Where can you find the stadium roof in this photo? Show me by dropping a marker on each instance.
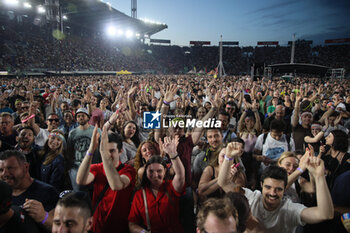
(96, 14)
(300, 68)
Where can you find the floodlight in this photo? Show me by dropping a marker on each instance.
(41, 10)
(65, 17)
(111, 31)
(27, 5)
(120, 32)
(11, 2)
(129, 34)
(137, 34)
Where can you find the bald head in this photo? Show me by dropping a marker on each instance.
(279, 112)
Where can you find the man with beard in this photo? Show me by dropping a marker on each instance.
(26, 145)
(276, 212)
(37, 198)
(209, 152)
(78, 144)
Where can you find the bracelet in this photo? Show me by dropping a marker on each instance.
(177, 155)
(30, 117)
(166, 103)
(109, 122)
(46, 217)
(228, 158)
(300, 170)
(89, 154)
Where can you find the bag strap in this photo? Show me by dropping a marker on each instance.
(104, 191)
(146, 210)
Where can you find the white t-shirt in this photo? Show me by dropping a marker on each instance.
(273, 148)
(42, 137)
(284, 219)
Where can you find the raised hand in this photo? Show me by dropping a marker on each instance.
(316, 167)
(94, 140)
(233, 149)
(170, 93)
(169, 146)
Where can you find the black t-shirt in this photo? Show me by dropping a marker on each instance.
(8, 142)
(39, 191)
(20, 222)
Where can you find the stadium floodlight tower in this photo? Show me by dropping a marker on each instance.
(220, 67)
(134, 9)
(293, 50)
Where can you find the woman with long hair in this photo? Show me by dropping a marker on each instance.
(131, 142)
(144, 152)
(155, 207)
(336, 158)
(52, 167)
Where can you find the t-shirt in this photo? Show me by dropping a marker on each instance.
(273, 148)
(20, 222)
(42, 137)
(40, 191)
(163, 210)
(299, 132)
(184, 150)
(79, 142)
(112, 212)
(129, 152)
(284, 219)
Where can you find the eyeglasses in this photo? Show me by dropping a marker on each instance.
(25, 108)
(51, 120)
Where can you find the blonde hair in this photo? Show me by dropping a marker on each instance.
(286, 154)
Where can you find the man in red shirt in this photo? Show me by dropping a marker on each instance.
(112, 211)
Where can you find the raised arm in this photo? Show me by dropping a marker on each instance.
(84, 176)
(169, 146)
(115, 181)
(168, 98)
(295, 119)
(324, 209)
(315, 139)
(241, 121)
(226, 173)
(131, 103)
(197, 132)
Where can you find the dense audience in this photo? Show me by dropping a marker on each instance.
(279, 154)
(77, 52)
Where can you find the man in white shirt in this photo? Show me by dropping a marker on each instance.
(270, 207)
(270, 146)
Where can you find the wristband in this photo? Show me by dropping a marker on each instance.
(89, 154)
(30, 117)
(173, 158)
(109, 122)
(46, 216)
(228, 158)
(300, 170)
(166, 103)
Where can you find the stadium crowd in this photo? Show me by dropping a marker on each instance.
(77, 52)
(77, 155)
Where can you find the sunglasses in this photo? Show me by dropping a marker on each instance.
(51, 120)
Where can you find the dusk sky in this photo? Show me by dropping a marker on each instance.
(246, 21)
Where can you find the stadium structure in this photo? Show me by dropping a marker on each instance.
(55, 37)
